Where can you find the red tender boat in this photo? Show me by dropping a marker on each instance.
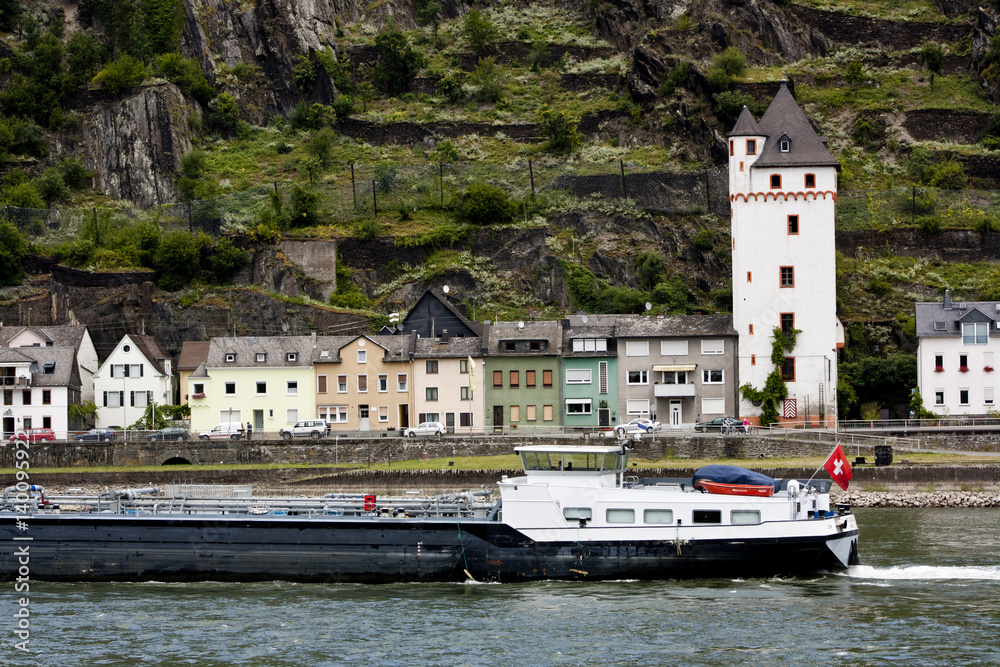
(735, 489)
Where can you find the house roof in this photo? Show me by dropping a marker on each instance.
(784, 117)
(63, 360)
(943, 319)
(15, 355)
(246, 348)
(434, 348)
(746, 126)
(61, 335)
(150, 348)
(641, 326)
(597, 326)
(549, 331)
(193, 353)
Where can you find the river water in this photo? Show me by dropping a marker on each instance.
(927, 593)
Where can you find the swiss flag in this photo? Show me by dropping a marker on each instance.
(838, 467)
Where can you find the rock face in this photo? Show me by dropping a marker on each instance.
(135, 144)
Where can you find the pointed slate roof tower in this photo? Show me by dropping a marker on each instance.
(782, 190)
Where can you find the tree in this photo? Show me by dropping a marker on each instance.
(559, 128)
(487, 80)
(398, 63)
(485, 204)
(932, 57)
(227, 259)
(225, 112)
(178, 257)
(124, 72)
(12, 251)
(726, 66)
(186, 74)
(479, 31)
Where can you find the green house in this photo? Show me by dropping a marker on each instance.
(589, 372)
(521, 376)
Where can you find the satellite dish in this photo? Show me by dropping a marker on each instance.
(649, 306)
(584, 318)
(520, 325)
(445, 289)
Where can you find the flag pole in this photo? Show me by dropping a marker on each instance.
(824, 462)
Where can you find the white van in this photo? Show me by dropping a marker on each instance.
(231, 430)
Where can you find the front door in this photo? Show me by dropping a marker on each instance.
(8, 427)
(675, 413)
(449, 421)
(497, 417)
(258, 420)
(404, 415)
(363, 418)
(603, 417)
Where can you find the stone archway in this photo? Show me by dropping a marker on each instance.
(176, 461)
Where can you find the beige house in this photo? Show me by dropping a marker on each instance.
(448, 386)
(193, 354)
(364, 383)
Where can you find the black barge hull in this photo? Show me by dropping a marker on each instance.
(163, 548)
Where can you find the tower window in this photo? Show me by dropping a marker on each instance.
(810, 180)
(751, 146)
(775, 180)
(787, 276)
(793, 224)
(787, 322)
(731, 148)
(788, 369)
(751, 329)
(749, 276)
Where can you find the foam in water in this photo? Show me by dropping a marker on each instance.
(924, 572)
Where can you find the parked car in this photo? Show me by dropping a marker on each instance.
(309, 428)
(639, 425)
(96, 435)
(717, 424)
(425, 428)
(169, 433)
(223, 431)
(34, 435)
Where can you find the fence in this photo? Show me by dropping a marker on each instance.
(931, 208)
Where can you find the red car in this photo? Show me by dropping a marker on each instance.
(34, 435)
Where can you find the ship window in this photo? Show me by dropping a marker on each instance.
(707, 516)
(744, 517)
(577, 513)
(658, 516)
(621, 516)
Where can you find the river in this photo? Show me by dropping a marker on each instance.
(926, 594)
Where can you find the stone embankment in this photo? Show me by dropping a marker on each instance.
(919, 498)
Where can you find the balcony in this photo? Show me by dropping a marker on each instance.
(673, 390)
(15, 381)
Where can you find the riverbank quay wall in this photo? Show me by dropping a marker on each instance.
(370, 450)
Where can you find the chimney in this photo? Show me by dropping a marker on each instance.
(444, 335)
(947, 299)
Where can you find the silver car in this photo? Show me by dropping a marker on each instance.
(425, 428)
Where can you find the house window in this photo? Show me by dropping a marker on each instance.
(547, 413)
(198, 388)
(753, 359)
(674, 377)
(261, 388)
(788, 369)
(784, 145)
(751, 329)
(383, 414)
(940, 326)
(775, 180)
(939, 397)
(749, 276)
(963, 361)
(432, 366)
(362, 356)
(46, 422)
(793, 224)
(939, 361)
(787, 276)
(711, 376)
(731, 148)
(531, 413)
(787, 323)
(546, 378)
(291, 415)
(230, 358)
(113, 399)
(963, 396)
(464, 394)
(590, 344)
(8, 397)
(637, 406)
(230, 389)
(673, 347)
(529, 378)
(810, 180)
(320, 384)
(363, 384)
(401, 382)
(463, 365)
(48, 368)
(261, 357)
(712, 346)
(509, 346)
(515, 413)
(577, 406)
(515, 378)
(988, 395)
(638, 377)
(974, 333)
(637, 348)
(335, 414)
(383, 383)
(431, 393)
(140, 399)
(497, 378)
(26, 397)
(535, 345)
(602, 374)
(578, 375)
(341, 384)
(292, 387)
(465, 419)
(46, 397)
(751, 146)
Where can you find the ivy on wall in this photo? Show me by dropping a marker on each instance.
(774, 390)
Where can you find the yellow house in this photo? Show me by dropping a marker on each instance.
(363, 383)
(267, 381)
(193, 354)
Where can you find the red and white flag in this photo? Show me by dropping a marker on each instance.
(838, 467)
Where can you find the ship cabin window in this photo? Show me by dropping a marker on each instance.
(657, 516)
(578, 513)
(744, 517)
(707, 516)
(571, 461)
(615, 515)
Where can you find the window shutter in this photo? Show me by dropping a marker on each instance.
(105, 399)
(131, 398)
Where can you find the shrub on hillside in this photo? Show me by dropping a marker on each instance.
(726, 67)
(124, 72)
(227, 259)
(485, 204)
(559, 127)
(12, 251)
(479, 31)
(398, 63)
(186, 74)
(178, 258)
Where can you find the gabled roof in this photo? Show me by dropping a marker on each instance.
(15, 355)
(246, 348)
(61, 335)
(641, 326)
(193, 354)
(150, 348)
(746, 126)
(63, 365)
(434, 348)
(943, 319)
(785, 116)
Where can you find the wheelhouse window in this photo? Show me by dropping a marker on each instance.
(706, 516)
(616, 515)
(657, 516)
(744, 517)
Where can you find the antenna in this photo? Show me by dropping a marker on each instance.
(445, 289)
(649, 306)
(585, 318)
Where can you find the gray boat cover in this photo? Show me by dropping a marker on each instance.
(724, 474)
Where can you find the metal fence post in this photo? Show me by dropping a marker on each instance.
(190, 220)
(441, 180)
(621, 166)
(531, 175)
(354, 192)
(374, 199)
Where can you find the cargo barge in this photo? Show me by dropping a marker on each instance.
(575, 513)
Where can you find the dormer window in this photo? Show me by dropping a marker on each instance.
(48, 368)
(261, 357)
(509, 346)
(230, 357)
(291, 356)
(784, 144)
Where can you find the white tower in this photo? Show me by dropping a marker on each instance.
(782, 191)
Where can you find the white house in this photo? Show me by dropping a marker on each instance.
(955, 361)
(782, 190)
(39, 384)
(138, 372)
(63, 335)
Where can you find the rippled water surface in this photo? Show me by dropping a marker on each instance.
(927, 593)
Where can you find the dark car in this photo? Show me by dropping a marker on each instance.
(96, 435)
(717, 424)
(170, 433)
